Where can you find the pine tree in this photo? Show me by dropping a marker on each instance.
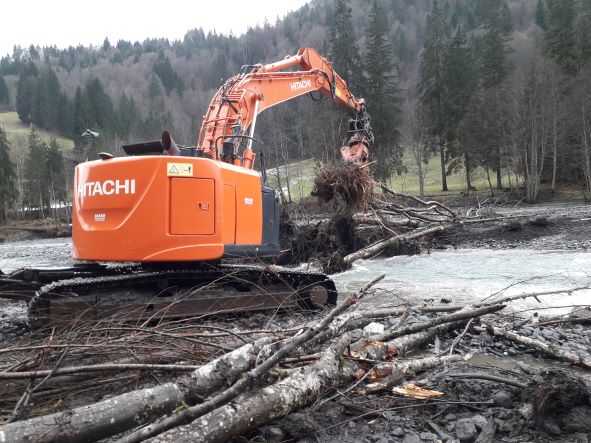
(158, 119)
(170, 79)
(541, 14)
(79, 125)
(106, 44)
(128, 117)
(495, 65)
(431, 86)
(584, 32)
(55, 173)
(25, 89)
(4, 95)
(382, 95)
(461, 81)
(560, 39)
(344, 52)
(98, 107)
(8, 191)
(36, 189)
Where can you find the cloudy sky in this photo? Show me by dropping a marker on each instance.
(72, 22)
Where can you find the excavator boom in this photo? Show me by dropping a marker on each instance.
(232, 114)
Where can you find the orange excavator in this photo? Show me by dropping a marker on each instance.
(154, 230)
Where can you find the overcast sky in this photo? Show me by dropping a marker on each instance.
(71, 22)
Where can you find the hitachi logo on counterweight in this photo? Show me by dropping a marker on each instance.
(108, 187)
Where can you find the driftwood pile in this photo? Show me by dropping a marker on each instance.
(234, 381)
(364, 226)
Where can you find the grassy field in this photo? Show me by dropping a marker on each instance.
(17, 131)
(409, 182)
(301, 176)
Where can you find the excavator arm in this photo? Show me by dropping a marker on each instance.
(232, 113)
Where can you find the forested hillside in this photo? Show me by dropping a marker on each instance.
(501, 85)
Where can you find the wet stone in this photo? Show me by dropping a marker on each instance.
(527, 411)
(548, 334)
(449, 417)
(466, 430)
(505, 415)
(502, 399)
(397, 431)
(427, 436)
(479, 421)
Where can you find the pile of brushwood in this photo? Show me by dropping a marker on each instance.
(362, 366)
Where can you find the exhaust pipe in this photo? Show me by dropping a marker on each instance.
(169, 145)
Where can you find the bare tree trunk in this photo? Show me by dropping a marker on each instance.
(421, 182)
(499, 171)
(378, 247)
(468, 172)
(582, 360)
(490, 186)
(285, 156)
(443, 172)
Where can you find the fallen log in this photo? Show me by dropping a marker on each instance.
(403, 345)
(126, 411)
(582, 360)
(370, 251)
(254, 410)
(467, 313)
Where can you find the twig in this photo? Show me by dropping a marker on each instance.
(26, 397)
(459, 337)
(106, 367)
(496, 379)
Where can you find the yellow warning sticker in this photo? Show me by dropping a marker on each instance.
(179, 169)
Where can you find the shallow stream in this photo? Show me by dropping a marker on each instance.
(465, 275)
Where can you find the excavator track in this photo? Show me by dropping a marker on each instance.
(67, 296)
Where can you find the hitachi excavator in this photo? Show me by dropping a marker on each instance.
(154, 232)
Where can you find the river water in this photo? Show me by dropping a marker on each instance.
(466, 275)
(462, 275)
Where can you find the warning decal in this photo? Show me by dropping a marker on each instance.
(179, 169)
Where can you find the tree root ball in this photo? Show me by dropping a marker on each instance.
(353, 184)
